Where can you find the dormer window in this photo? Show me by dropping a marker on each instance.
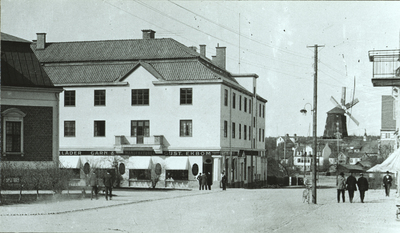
(13, 132)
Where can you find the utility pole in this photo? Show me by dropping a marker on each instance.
(314, 160)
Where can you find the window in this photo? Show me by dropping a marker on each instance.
(186, 128)
(226, 97)
(225, 129)
(233, 129)
(177, 174)
(263, 136)
(254, 122)
(99, 128)
(240, 103)
(233, 100)
(99, 97)
(69, 98)
(240, 131)
(263, 111)
(259, 134)
(260, 111)
(244, 132)
(69, 128)
(249, 132)
(140, 128)
(12, 138)
(140, 97)
(140, 174)
(245, 104)
(249, 105)
(186, 95)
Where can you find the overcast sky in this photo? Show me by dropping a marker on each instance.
(263, 37)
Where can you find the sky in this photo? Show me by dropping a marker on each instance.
(269, 38)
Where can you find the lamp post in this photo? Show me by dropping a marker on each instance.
(304, 111)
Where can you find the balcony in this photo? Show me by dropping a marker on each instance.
(123, 143)
(386, 67)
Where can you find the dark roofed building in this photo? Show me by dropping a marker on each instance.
(29, 106)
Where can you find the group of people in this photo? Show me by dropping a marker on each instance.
(107, 181)
(351, 183)
(205, 181)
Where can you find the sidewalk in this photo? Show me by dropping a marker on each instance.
(76, 204)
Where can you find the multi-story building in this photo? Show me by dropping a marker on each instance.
(155, 109)
(29, 107)
(388, 120)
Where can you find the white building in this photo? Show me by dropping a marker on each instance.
(155, 109)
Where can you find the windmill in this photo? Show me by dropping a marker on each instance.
(336, 119)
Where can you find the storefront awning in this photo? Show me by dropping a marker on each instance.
(70, 161)
(98, 161)
(139, 162)
(177, 163)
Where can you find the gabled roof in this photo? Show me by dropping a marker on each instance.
(19, 65)
(113, 50)
(336, 110)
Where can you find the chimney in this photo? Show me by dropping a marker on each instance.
(193, 48)
(148, 34)
(41, 41)
(220, 59)
(203, 50)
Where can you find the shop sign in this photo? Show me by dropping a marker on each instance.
(191, 153)
(87, 152)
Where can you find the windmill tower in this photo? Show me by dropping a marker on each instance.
(336, 118)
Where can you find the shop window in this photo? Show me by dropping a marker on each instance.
(140, 174)
(176, 175)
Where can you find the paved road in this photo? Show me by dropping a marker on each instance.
(234, 210)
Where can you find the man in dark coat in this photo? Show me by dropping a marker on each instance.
(351, 183)
(108, 185)
(199, 179)
(204, 181)
(209, 180)
(224, 180)
(387, 182)
(362, 184)
(93, 184)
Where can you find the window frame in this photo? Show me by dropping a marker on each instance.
(225, 129)
(146, 128)
(95, 128)
(145, 97)
(245, 104)
(233, 130)
(233, 100)
(186, 96)
(69, 99)
(13, 115)
(99, 97)
(225, 97)
(182, 131)
(69, 131)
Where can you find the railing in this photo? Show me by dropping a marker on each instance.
(145, 141)
(386, 63)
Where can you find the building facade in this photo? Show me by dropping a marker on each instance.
(29, 107)
(155, 112)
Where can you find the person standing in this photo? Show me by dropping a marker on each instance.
(387, 182)
(351, 183)
(223, 180)
(204, 181)
(341, 185)
(209, 180)
(108, 185)
(362, 184)
(199, 179)
(93, 183)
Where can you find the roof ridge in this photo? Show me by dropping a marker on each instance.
(86, 41)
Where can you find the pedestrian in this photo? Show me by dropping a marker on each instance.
(387, 182)
(223, 181)
(199, 179)
(351, 183)
(362, 184)
(204, 181)
(341, 186)
(93, 183)
(108, 185)
(209, 180)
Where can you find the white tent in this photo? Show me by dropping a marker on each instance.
(391, 164)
